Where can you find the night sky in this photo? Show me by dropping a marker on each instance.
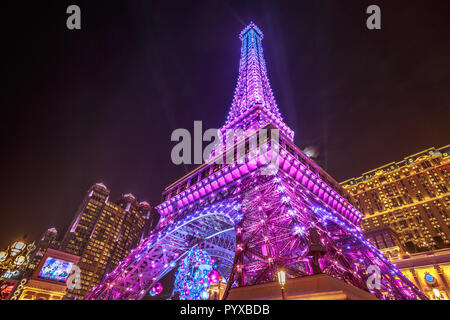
(99, 104)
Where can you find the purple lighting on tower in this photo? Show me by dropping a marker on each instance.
(253, 92)
(253, 224)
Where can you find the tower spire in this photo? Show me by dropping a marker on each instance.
(253, 91)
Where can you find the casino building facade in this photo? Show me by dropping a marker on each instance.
(49, 280)
(411, 196)
(407, 216)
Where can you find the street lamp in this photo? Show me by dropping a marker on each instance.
(282, 282)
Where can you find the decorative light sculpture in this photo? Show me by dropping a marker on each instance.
(213, 276)
(204, 294)
(17, 247)
(195, 274)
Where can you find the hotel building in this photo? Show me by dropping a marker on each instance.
(103, 233)
(411, 196)
(407, 208)
(49, 280)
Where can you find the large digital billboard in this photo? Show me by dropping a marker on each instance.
(55, 269)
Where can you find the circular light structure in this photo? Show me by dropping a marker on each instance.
(17, 247)
(19, 260)
(3, 256)
(429, 278)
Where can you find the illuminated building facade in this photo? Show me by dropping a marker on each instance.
(407, 207)
(411, 196)
(386, 240)
(16, 260)
(49, 280)
(14, 264)
(47, 240)
(103, 233)
(429, 270)
(269, 208)
(19, 260)
(6, 287)
(216, 291)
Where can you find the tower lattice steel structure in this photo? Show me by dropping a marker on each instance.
(251, 222)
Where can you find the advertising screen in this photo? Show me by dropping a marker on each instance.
(55, 270)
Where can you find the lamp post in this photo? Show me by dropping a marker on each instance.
(282, 282)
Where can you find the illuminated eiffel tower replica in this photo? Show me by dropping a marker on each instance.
(297, 218)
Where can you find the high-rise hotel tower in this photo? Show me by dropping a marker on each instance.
(411, 196)
(103, 233)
